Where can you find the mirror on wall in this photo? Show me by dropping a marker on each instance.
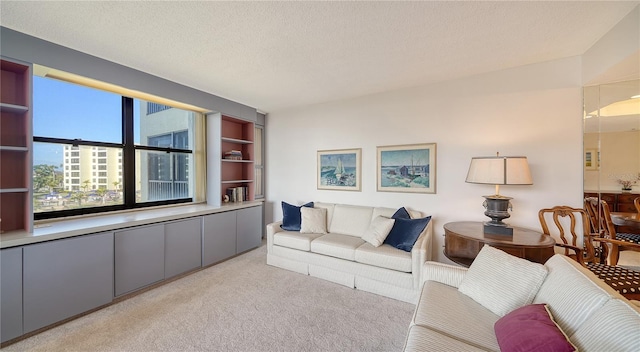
(612, 138)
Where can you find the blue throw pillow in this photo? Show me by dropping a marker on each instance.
(291, 218)
(405, 232)
(401, 213)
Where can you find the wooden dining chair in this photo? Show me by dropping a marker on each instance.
(570, 223)
(597, 223)
(636, 202)
(618, 241)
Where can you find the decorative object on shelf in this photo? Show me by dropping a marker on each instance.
(627, 181)
(233, 155)
(591, 159)
(499, 170)
(339, 169)
(407, 168)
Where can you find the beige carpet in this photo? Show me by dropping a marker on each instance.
(239, 305)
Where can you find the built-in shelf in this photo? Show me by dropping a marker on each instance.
(15, 135)
(236, 161)
(13, 107)
(15, 149)
(238, 181)
(238, 141)
(14, 190)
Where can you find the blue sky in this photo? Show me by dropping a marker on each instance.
(65, 110)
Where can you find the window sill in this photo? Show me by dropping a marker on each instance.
(88, 224)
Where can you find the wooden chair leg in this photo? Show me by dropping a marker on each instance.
(614, 256)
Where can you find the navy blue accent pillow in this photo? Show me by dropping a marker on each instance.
(291, 218)
(401, 213)
(405, 232)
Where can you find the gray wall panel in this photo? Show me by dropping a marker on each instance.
(249, 228)
(139, 258)
(183, 246)
(66, 277)
(10, 293)
(218, 237)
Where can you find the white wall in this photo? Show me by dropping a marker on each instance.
(615, 56)
(533, 111)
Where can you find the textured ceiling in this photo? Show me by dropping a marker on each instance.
(278, 55)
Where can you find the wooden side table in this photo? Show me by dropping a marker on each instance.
(464, 239)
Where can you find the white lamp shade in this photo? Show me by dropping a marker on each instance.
(500, 170)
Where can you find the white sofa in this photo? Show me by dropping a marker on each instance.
(592, 315)
(343, 257)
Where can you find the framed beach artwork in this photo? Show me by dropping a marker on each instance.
(339, 169)
(407, 168)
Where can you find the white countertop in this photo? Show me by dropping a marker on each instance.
(83, 225)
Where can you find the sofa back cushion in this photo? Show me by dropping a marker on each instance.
(502, 282)
(572, 293)
(388, 212)
(350, 220)
(329, 207)
(614, 327)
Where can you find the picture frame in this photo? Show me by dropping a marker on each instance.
(407, 168)
(591, 159)
(340, 169)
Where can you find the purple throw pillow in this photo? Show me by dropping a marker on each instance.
(531, 328)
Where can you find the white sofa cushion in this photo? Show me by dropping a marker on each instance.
(295, 240)
(337, 245)
(502, 282)
(384, 256)
(422, 339)
(572, 292)
(314, 220)
(614, 327)
(350, 220)
(444, 309)
(378, 230)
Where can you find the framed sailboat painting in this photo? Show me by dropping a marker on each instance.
(407, 168)
(339, 169)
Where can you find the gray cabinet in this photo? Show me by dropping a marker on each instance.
(183, 247)
(218, 237)
(249, 228)
(139, 257)
(10, 293)
(66, 277)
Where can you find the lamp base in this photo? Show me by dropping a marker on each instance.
(498, 230)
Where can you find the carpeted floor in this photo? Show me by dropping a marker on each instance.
(239, 305)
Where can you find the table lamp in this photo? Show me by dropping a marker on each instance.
(499, 170)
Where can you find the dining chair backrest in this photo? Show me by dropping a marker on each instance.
(606, 221)
(573, 222)
(592, 207)
(636, 202)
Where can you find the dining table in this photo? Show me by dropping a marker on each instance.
(626, 222)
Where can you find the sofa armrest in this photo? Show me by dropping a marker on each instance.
(421, 253)
(447, 274)
(272, 229)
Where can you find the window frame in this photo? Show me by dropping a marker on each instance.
(128, 148)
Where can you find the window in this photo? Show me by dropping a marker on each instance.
(164, 149)
(141, 160)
